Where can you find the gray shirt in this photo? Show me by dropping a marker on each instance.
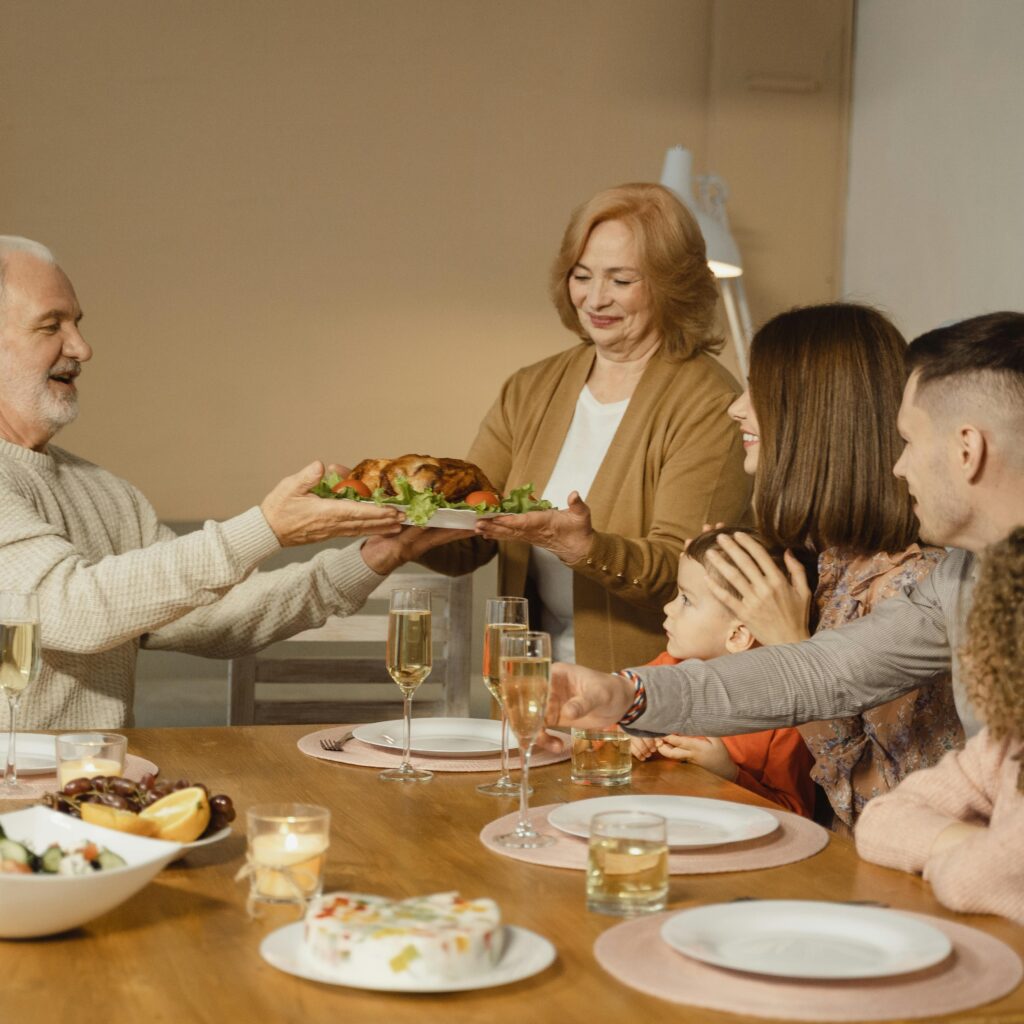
(905, 642)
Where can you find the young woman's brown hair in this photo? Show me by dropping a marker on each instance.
(826, 384)
(673, 264)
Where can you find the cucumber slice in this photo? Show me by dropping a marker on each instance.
(16, 852)
(49, 862)
(107, 859)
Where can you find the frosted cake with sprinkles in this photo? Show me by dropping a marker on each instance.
(442, 937)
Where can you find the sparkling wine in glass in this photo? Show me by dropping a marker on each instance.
(20, 660)
(409, 661)
(525, 687)
(504, 615)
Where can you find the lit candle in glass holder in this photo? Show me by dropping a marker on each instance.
(287, 851)
(84, 755)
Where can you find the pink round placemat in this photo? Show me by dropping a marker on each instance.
(358, 753)
(134, 769)
(979, 970)
(795, 839)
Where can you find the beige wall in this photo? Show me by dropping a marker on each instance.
(322, 228)
(936, 207)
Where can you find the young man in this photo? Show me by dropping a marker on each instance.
(962, 418)
(110, 577)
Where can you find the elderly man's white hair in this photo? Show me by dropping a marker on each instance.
(15, 243)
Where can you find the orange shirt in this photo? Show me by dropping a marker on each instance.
(775, 763)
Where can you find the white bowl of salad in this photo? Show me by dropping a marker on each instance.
(58, 872)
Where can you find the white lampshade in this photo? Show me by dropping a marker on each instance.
(723, 253)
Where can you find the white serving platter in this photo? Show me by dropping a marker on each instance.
(449, 518)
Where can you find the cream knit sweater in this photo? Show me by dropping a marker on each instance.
(978, 785)
(111, 578)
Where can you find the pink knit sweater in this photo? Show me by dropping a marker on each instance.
(983, 874)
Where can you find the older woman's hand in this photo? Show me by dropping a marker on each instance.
(774, 607)
(565, 532)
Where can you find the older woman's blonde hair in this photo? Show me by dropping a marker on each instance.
(673, 264)
(992, 658)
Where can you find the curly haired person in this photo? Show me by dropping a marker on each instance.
(961, 823)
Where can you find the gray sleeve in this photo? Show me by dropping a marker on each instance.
(903, 644)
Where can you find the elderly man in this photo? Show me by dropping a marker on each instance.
(109, 576)
(962, 419)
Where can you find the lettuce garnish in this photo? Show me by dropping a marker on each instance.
(420, 506)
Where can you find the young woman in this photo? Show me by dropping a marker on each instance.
(820, 438)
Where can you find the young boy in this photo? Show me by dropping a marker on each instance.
(775, 763)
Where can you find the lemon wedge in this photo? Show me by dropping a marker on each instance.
(115, 818)
(180, 816)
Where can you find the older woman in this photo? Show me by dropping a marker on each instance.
(819, 430)
(633, 418)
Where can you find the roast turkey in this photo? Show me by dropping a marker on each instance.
(453, 478)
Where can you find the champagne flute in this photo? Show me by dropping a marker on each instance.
(409, 661)
(525, 687)
(20, 660)
(504, 615)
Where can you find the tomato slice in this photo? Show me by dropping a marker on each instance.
(357, 485)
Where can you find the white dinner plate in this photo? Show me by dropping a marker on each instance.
(437, 737)
(691, 820)
(806, 939)
(36, 753)
(525, 954)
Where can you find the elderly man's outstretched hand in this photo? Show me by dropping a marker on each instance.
(584, 699)
(298, 517)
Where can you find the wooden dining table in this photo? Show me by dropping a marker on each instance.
(185, 950)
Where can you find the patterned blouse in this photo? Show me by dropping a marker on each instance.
(859, 757)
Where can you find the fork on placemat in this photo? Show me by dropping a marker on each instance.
(334, 746)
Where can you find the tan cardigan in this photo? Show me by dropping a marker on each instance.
(675, 463)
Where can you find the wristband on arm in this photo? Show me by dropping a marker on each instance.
(639, 705)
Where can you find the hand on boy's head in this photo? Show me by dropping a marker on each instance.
(643, 747)
(774, 606)
(709, 752)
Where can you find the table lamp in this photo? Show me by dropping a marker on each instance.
(723, 253)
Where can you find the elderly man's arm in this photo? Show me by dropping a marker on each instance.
(92, 601)
(901, 645)
(271, 606)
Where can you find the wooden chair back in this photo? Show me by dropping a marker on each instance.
(347, 654)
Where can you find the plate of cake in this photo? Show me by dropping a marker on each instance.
(436, 943)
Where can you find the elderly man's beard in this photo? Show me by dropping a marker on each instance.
(37, 400)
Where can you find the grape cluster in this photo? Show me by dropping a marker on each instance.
(127, 795)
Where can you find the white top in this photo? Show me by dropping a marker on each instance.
(586, 444)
